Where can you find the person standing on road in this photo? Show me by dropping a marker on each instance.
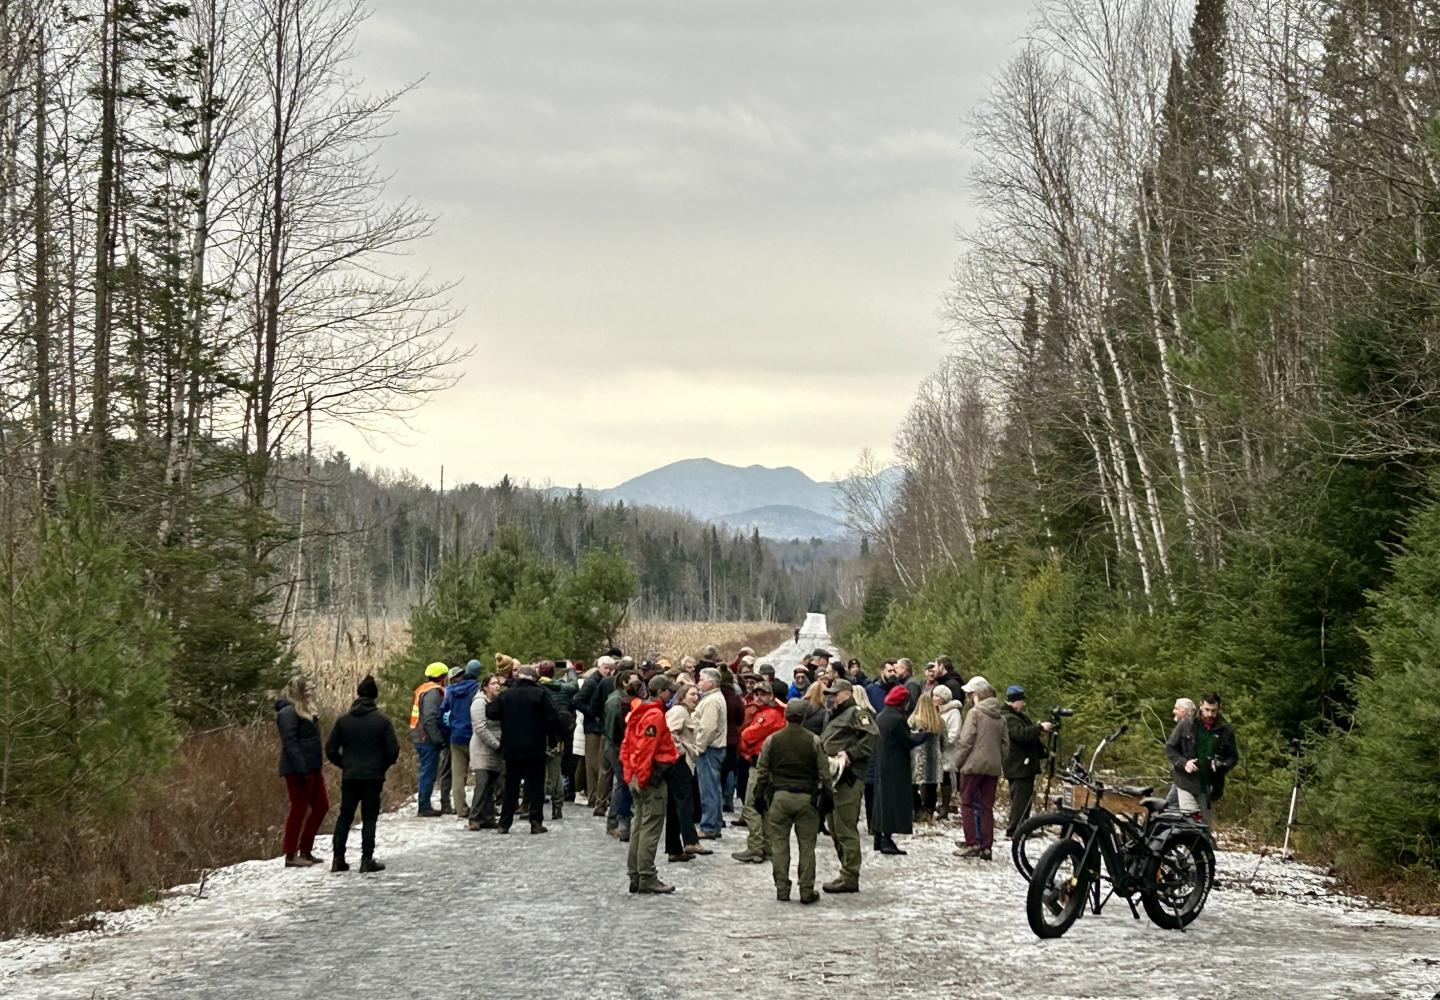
(894, 799)
(710, 737)
(769, 719)
(562, 692)
(300, 762)
(954, 720)
(628, 688)
(682, 840)
(1202, 751)
(455, 710)
(485, 756)
(362, 745)
(529, 726)
(647, 752)
(444, 779)
(1184, 709)
(734, 722)
(984, 744)
(800, 684)
(905, 673)
(427, 732)
(791, 771)
(925, 769)
(849, 740)
(875, 693)
(1023, 758)
(590, 703)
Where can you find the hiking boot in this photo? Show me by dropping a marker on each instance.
(698, 850)
(427, 811)
(708, 836)
(680, 858)
(840, 885)
(600, 810)
(337, 864)
(472, 825)
(296, 861)
(971, 851)
(983, 855)
(739, 822)
(634, 883)
(655, 888)
(555, 810)
(310, 857)
(538, 828)
(371, 865)
(749, 857)
(888, 846)
(502, 829)
(623, 832)
(809, 896)
(783, 895)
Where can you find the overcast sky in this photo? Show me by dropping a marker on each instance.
(716, 229)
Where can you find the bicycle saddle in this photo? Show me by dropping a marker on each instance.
(1153, 805)
(1134, 791)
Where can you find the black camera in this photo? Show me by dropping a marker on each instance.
(1057, 713)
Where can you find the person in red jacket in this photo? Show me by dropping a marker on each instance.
(646, 753)
(769, 719)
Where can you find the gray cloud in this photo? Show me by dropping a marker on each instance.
(682, 229)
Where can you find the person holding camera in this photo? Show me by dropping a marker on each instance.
(1024, 757)
(791, 773)
(1202, 751)
(647, 752)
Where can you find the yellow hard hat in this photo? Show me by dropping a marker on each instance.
(436, 670)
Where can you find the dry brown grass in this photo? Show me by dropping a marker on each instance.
(677, 639)
(337, 666)
(222, 803)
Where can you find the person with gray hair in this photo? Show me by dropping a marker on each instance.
(1184, 709)
(711, 733)
(984, 744)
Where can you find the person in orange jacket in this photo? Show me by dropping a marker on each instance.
(646, 753)
(769, 719)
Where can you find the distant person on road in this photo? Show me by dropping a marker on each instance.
(797, 635)
(1202, 751)
(710, 736)
(455, 711)
(485, 757)
(1184, 709)
(647, 752)
(529, 726)
(362, 744)
(792, 772)
(427, 732)
(849, 742)
(984, 744)
(1024, 757)
(300, 762)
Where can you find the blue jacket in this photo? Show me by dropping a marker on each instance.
(455, 710)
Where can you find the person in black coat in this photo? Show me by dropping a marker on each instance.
(300, 763)
(894, 810)
(529, 726)
(362, 744)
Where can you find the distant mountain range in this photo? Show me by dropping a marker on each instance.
(783, 503)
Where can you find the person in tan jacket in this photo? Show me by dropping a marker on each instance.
(711, 733)
(984, 742)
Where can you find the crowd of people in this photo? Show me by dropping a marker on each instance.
(665, 751)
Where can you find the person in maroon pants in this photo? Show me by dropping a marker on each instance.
(301, 757)
(984, 742)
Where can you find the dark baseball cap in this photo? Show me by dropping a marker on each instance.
(821, 652)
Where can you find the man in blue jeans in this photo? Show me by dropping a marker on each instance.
(711, 731)
(427, 732)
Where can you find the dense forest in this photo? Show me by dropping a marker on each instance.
(1186, 439)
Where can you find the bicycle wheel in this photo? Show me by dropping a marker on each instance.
(1058, 889)
(1177, 893)
(1035, 835)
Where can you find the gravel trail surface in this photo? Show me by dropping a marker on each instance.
(463, 915)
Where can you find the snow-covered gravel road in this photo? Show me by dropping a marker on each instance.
(467, 915)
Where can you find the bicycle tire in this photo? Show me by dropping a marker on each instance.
(1055, 901)
(1023, 853)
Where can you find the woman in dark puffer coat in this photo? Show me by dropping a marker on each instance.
(301, 756)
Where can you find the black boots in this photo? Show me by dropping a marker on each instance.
(371, 865)
(337, 864)
(555, 809)
(538, 828)
(887, 846)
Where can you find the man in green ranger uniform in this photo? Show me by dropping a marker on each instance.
(848, 740)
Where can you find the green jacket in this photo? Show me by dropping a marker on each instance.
(853, 731)
(1027, 745)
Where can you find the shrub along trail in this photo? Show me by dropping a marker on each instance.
(461, 914)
